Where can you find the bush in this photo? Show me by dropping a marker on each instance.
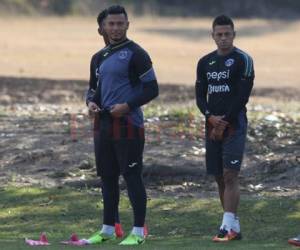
(236, 8)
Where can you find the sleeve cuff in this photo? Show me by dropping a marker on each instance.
(207, 114)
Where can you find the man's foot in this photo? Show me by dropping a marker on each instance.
(295, 241)
(133, 239)
(119, 230)
(98, 238)
(225, 236)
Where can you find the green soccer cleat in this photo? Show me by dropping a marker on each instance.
(98, 238)
(133, 239)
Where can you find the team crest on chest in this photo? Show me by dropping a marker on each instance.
(229, 62)
(123, 54)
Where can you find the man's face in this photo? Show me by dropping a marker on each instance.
(223, 36)
(115, 26)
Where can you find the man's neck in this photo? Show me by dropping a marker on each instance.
(113, 42)
(106, 41)
(225, 52)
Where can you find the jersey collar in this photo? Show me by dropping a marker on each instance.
(119, 45)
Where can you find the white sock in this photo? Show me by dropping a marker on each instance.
(138, 231)
(228, 221)
(107, 229)
(236, 225)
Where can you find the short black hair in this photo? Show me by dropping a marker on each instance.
(102, 15)
(116, 9)
(223, 20)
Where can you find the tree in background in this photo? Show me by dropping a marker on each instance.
(237, 8)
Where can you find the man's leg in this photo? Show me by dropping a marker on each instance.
(221, 188)
(137, 196)
(118, 226)
(129, 147)
(214, 165)
(117, 216)
(106, 163)
(230, 195)
(232, 155)
(138, 200)
(110, 193)
(129, 151)
(233, 150)
(231, 200)
(110, 190)
(231, 191)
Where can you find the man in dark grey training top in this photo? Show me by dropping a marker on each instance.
(93, 82)
(126, 81)
(224, 83)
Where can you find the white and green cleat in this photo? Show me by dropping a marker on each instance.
(133, 239)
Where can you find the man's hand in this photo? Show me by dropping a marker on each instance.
(119, 110)
(93, 107)
(217, 133)
(216, 120)
(218, 127)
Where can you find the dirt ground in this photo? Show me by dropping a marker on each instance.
(61, 48)
(46, 139)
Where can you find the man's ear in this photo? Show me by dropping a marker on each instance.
(100, 31)
(212, 35)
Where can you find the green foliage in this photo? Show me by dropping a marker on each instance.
(16, 7)
(238, 8)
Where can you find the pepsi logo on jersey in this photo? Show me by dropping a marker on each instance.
(218, 75)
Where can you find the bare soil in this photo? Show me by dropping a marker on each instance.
(46, 139)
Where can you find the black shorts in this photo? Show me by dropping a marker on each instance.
(229, 152)
(119, 145)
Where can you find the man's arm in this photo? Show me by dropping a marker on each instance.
(144, 74)
(215, 122)
(92, 82)
(244, 87)
(201, 89)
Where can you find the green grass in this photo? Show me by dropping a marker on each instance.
(185, 223)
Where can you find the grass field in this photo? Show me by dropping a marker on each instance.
(185, 223)
(61, 47)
